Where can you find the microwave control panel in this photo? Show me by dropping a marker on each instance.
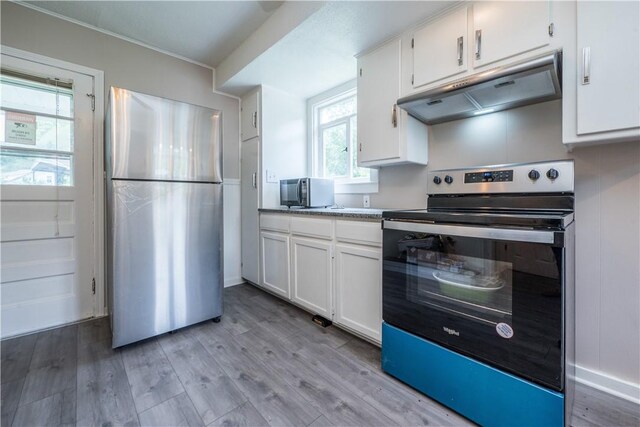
(489, 176)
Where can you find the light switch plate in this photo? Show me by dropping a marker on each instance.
(272, 177)
(365, 201)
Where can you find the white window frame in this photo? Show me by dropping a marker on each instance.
(315, 158)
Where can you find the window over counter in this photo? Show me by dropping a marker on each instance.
(36, 131)
(333, 146)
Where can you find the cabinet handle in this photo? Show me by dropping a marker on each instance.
(586, 65)
(460, 48)
(394, 115)
(254, 180)
(361, 146)
(254, 119)
(478, 43)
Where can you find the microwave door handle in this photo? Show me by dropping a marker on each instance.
(298, 191)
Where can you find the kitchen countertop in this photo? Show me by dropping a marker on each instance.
(362, 213)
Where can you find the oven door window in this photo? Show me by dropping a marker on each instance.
(496, 301)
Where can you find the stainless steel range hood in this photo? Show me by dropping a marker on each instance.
(528, 82)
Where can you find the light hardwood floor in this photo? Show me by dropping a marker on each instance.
(266, 363)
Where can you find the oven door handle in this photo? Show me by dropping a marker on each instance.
(531, 236)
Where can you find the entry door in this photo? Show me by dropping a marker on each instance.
(46, 193)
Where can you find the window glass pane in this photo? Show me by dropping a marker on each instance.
(21, 167)
(25, 95)
(336, 151)
(356, 172)
(343, 108)
(45, 133)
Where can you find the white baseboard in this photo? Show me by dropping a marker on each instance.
(608, 384)
(233, 281)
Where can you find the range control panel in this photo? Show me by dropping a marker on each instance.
(489, 176)
(540, 177)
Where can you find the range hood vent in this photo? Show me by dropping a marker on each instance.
(529, 82)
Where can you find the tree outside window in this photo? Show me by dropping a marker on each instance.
(337, 139)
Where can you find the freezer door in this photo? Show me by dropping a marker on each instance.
(154, 138)
(166, 256)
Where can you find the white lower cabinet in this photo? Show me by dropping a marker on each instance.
(275, 263)
(359, 289)
(311, 273)
(329, 267)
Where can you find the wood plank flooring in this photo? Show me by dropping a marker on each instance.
(265, 363)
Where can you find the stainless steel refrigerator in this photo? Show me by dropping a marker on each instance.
(164, 215)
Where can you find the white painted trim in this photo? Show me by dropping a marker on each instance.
(233, 281)
(608, 384)
(228, 95)
(45, 60)
(231, 181)
(112, 34)
(99, 301)
(77, 322)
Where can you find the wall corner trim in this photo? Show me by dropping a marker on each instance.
(608, 384)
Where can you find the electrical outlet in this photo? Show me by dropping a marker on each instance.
(272, 177)
(365, 201)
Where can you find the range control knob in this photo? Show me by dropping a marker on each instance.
(448, 179)
(534, 174)
(552, 174)
(437, 180)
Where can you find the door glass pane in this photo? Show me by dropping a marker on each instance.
(336, 151)
(45, 133)
(36, 133)
(25, 95)
(23, 168)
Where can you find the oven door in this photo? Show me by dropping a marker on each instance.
(494, 294)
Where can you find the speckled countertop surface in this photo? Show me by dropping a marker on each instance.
(361, 213)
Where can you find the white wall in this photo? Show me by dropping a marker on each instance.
(283, 141)
(131, 66)
(607, 223)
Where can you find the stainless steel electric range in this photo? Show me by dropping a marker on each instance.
(478, 292)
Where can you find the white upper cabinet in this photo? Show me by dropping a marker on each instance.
(386, 134)
(608, 57)
(505, 29)
(440, 49)
(378, 91)
(250, 116)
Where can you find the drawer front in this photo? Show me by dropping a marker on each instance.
(312, 227)
(275, 222)
(362, 233)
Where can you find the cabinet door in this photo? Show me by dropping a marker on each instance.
(250, 116)
(440, 49)
(311, 275)
(505, 29)
(359, 289)
(608, 66)
(275, 263)
(378, 114)
(249, 220)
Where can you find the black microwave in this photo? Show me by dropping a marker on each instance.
(306, 192)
